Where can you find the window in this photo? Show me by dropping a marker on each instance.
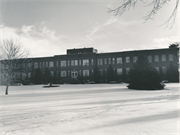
(113, 60)
(92, 62)
(57, 73)
(127, 70)
(57, 63)
(119, 60)
(157, 68)
(100, 62)
(52, 73)
(69, 73)
(163, 57)
(23, 75)
(85, 72)
(150, 58)
(79, 62)
(35, 65)
(170, 57)
(135, 59)
(68, 63)
(72, 62)
(76, 62)
(109, 60)
(101, 71)
(119, 71)
(63, 63)
(51, 64)
(43, 65)
(29, 74)
(63, 73)
(46, 64)
(85, 62)
(105, 61)
(79, 72)
(164, 70)
(39, 64)
(156, 58)
(127, 60)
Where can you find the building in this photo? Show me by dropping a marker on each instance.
(79, 63)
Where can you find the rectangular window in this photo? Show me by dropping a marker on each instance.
(29, 74)
(85, 72)
(76, 63)
(109, 60)
(35, 65)
(150, 58)
(46, 64)
(127, 60)
(119, 71)
(135, 59)
(101, 71)
(157, 68)
(105, 61)
(57, 73)
(119, 60)
(127, 70)
(39, 64)
(23, 65)
(163, 57)
(63, 73)
(113, 60)
(92, 62)
(43, 65)
(51, 64)
(100, 62)
(79, 62)
(57, 63)
(63, 63)
(164, 70)
(170, 57)
(156, 58)
(72, 62)
(23, 75)
(52, 73)
(85, 62)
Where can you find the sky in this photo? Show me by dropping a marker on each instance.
(49, 27)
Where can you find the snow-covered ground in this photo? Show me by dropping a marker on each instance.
(90, 109)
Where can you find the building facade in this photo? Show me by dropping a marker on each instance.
(81, 62)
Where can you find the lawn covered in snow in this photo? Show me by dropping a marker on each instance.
(89, 109)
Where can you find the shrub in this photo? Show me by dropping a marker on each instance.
(144, 77)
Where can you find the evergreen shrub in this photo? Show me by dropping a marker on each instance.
(144, 77)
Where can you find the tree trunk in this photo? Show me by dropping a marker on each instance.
(7, 86)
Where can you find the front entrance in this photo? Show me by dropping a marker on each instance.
(74, 74)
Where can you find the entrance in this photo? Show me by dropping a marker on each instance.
(74, 74)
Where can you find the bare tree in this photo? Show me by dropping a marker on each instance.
(13, 60)
(156, 5)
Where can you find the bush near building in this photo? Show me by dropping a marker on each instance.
(144, 77)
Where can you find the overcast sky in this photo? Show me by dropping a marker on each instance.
(48, 28)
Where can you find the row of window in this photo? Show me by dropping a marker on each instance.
(87, 72)
(101, 61)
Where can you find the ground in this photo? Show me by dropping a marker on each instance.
(89, 109)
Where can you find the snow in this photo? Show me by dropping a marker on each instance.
(89, 109)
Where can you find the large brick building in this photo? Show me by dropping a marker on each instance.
(81, 62)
